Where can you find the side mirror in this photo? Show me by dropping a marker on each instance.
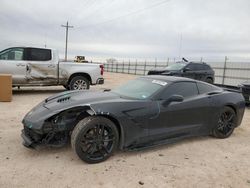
(173, 98)
(186, 69)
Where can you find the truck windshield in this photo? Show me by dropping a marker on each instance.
(176, 66)
(139, 88)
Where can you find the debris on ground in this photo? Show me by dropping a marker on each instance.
(141, 183)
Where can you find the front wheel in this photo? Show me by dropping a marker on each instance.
(226, 123)
(94, 139)
(79, 83)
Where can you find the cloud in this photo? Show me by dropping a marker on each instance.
(208, 28)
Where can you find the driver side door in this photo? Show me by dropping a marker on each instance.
(180, 119)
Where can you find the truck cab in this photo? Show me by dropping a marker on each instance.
(41, 66)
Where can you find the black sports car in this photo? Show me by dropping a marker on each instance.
(147, 111)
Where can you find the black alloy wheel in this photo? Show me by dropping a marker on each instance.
(94, 139)
(226, 123)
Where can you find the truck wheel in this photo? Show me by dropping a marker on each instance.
(94, 139)
(79, 83)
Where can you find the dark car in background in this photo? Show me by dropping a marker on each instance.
(195, 70)
(245, 89)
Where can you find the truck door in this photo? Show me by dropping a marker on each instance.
(41, 67)
(12, 62)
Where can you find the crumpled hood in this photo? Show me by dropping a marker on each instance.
(78, 98)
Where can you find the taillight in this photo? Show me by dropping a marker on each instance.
(102, 69)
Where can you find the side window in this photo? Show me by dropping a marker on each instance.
(36, 54)
(12, 54)
(185, 89)
(200, 67)
(192, 67)
(206, 67)
(205, 88)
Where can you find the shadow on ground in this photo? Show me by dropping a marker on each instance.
(37, 91)
(48, 151)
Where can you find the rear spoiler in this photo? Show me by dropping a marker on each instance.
(229, 88)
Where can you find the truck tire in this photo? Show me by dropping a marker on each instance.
(79, 83)
(94, 139)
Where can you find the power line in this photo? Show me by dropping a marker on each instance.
(129, 14)
(99, 8)
(180, 47)
(67, 26)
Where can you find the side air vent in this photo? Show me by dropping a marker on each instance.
(64, 99)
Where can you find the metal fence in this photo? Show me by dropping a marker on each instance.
(228, 73)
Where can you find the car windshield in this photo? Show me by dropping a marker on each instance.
(139, 88)
(176, 66)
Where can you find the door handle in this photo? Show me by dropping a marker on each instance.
(20, 64)
(51, 66)
(28, 68)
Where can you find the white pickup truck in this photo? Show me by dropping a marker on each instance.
(41, 67)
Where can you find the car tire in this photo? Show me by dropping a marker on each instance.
(94, 139)
(79, 83)
(209, 80)
(226, 123)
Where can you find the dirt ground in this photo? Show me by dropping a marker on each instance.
(197, 162)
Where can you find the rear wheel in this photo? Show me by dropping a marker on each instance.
(94, 139)
(79, 83)
(226, 123)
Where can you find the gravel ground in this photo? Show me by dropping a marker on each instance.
(197, 162)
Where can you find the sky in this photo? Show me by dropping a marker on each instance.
(130, 29)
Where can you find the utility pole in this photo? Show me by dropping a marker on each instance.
(67, 26)
(180, 47)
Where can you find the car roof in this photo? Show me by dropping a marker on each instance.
(199, 63)
(26, 48)
(193, 62)
(168, 78)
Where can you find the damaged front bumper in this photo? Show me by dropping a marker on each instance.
(30, 138)
(27, 141)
